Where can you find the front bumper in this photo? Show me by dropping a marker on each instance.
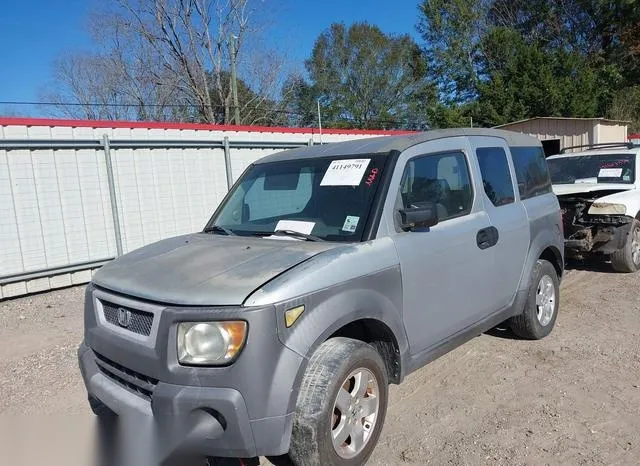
(207, 421)
(241, 410)
(599, 238)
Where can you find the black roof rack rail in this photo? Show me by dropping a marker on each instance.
(603, 145)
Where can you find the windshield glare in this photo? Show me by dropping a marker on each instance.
(603, 168)
(329, 198)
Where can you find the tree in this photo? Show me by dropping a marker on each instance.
(364, 78)
(452, 31)
(606, 33)
(300, 100)
(625, 106)
(524, 80)
(254, 108)
(510, 59)
(107, 87)
(159, 59)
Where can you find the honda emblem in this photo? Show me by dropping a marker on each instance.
(124, 317)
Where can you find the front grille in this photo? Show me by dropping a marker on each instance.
(133, 381)
(136, 321)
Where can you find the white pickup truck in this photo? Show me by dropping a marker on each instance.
(599, 193)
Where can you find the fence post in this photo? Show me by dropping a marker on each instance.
(112, 194)
(227, 163)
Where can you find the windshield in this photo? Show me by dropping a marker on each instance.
(603, 168)
(329, 198)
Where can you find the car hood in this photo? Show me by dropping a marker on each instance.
(204, 269)
(578, 188)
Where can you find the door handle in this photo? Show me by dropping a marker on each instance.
(487, 237)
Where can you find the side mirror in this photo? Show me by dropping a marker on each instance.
(422, 215)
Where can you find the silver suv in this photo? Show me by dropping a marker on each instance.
(326, 274)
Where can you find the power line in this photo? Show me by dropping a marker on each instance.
(132, 105)
(90, 104)
(104, 104)
(384, 122)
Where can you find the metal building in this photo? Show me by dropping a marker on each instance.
(557, 133)
(75, 194)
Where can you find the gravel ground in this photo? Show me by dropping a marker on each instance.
(572, 398)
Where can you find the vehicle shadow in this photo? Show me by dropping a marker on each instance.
(589, 265)
(502, 331)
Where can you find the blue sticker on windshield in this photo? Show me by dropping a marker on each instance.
(350, 223)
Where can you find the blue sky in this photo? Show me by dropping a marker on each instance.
(33, 33)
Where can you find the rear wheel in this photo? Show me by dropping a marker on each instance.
(627, 259)
(541, 309)
(341, 406)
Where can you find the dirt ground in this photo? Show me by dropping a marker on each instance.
(572, 398)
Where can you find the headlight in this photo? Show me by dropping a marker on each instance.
(210, 343)
(605, 208)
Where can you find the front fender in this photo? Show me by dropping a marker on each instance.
(377, 296)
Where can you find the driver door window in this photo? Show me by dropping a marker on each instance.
(439, 178)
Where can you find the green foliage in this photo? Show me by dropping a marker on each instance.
(505, 60)
(452, 31)
(300, 100)
(625, 105)
(525, 80)
(364, 79)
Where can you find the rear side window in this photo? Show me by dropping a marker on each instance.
(439, 178)
(532, 171)
(496, 177)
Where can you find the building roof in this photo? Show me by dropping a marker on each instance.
(386, 144)
(19, 121)
(562, 118)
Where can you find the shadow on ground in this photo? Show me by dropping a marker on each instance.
(502, 331)
(590, 265)
(596, 265)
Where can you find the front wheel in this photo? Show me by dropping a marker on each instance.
(341, 405)
(541, 308)
(627, 259)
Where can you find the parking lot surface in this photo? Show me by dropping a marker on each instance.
(572, 398)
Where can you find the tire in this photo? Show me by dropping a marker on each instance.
(537, 321)
(339, 366)
(627, 259)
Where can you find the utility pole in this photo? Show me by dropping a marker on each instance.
(319, 121)
(234, 80)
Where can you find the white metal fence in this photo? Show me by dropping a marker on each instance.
(74, 195)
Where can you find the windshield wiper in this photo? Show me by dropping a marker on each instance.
(292, 233)
(296, 234)
(219, 229)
